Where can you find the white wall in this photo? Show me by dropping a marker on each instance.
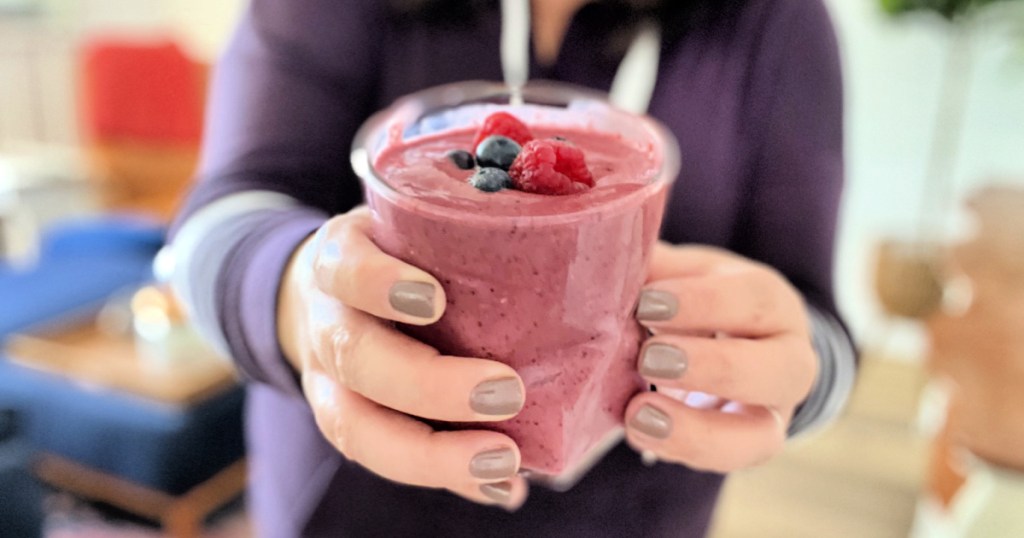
(892, 74)
(37, 55)
(202, 25)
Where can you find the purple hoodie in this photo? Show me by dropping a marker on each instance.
(755, 99)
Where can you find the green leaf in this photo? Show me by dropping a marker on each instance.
(948, 9)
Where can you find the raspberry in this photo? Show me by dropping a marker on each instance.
(551, 167)
(504, 124)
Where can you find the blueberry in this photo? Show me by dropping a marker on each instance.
(491, 179)
(497, 151)
(462, 159)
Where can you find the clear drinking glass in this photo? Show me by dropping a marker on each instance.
(552, 292)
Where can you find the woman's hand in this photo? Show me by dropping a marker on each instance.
(364, 379)
(727, 327)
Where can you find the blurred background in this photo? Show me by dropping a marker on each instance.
(100, 114)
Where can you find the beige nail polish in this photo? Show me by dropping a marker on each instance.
(652, 422)
(656, 305)
(497, 397)
(500, 492)
(413, 298)
(493, 464)
(663, 361)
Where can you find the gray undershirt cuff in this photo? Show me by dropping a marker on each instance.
(836, 375)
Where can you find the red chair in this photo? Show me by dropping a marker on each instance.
(141, 111)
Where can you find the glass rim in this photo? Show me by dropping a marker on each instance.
(541, 93)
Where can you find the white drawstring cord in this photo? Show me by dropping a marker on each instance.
(515, 45)
(633, 85)
(634, 81)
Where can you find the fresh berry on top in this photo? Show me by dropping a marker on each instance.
(504, 124)
(462, 159)
(497, 151)
(490, 179)
(551, 167)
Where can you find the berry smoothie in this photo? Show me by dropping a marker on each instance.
(544, 283)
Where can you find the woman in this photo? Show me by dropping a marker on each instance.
(752, 91)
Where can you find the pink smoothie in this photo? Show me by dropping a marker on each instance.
(546, 284)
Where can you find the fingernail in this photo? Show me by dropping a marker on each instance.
(413, 298)
(651, 421)
(656, 306)
(493, 464)
(497, 397)
(663, 362)
(500, 492)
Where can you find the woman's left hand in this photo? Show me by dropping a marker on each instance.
(727, 327)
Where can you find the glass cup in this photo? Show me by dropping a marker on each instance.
(551, 293)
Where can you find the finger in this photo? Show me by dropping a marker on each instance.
(405, 450)
(350, 267)
(775, 371)
(377, 361)
(747, 303)
(703, 439)
(671, 261)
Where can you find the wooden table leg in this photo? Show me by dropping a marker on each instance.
(181, 516)
(184, 518)
(97, 486)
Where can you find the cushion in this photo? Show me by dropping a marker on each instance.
(167, 447)
(21, 496)
(81, 264)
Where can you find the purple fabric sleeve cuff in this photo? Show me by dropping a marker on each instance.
(248, 290)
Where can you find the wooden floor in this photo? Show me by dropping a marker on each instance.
(858, 478)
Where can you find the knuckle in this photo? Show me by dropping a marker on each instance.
(338, 349)
(344, 440)
(424, 473)
(325, 350)
(338, 235)
(323, 232)
(723, 378)
(320, 342)
(695, 298)
(807, 364)
(334, 424)
(338, 225)
(761, 298)
(772, 447)
(800, 365)
(345, 347)
(346, 231)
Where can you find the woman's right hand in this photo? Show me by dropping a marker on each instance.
(363, 378)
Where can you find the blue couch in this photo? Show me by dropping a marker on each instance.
(166, 447)
(21, 497)
(81, 264)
